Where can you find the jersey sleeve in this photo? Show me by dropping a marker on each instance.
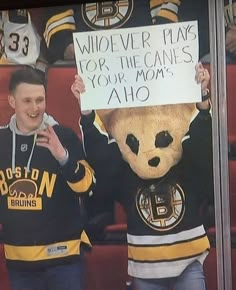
(164, 11)
(103, 153)
(101, 150)
(198, 143)
(58, 26)
(77, 171)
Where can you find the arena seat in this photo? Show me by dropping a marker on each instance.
(232, 201)
(210, 270)
(5, 110)
(233, 259)
(106, 267)
(232, 192)
(118, 230)
(61, 103)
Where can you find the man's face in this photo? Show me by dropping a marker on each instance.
(29, 104)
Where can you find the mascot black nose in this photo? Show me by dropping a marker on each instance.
(154, 162)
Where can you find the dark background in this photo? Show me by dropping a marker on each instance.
(10, 4)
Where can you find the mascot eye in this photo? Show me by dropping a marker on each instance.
(133, 143)
(163, 139)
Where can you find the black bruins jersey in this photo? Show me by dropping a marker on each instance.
(59, 22)
(39, 208)
(165, 231)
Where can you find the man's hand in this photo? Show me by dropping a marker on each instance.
(48, 139)
(77, 89)
(202, 77)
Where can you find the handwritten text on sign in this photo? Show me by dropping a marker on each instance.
(141, 66)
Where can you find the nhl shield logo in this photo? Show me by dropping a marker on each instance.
(24, 147)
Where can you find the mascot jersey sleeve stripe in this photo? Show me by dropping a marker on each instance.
(165, 231)
(39, 207)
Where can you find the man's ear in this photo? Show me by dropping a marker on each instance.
(11, 101)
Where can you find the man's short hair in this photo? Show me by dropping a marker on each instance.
(26, 75)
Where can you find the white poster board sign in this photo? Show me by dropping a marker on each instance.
(140, 66)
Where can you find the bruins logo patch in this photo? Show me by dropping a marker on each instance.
(107, 15)
(161, 210)
(23, 196)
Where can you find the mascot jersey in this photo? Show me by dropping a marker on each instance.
(60, 22)
(39, 208)
(165, 232)
(19, 40)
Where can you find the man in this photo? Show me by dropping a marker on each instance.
(42, 171)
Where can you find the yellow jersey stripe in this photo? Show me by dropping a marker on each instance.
(100, 126)
(168, 14)
(57, 29)
(58, 17)
(177, 2)
(84, 184)
(168, 252)
(154, 3)
(159, 3)
(84, 238)
(45, 252)
(99, 123)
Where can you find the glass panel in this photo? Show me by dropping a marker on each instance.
(230, 25)
(199, 10)
(175, 219)
(222, 194)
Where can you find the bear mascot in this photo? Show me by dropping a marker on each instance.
(157, 162)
